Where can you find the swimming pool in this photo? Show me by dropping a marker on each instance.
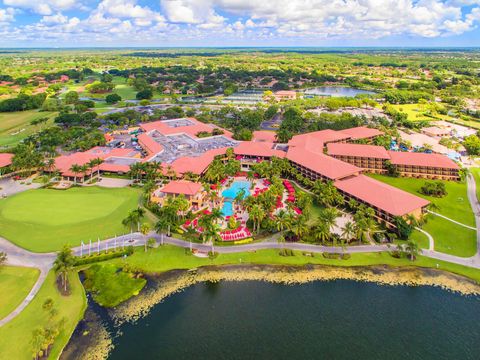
(235, 188)
(227, 208)
(230, 194)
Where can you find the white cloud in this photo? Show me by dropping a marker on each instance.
(42, 7)
(6, 15)
(246, 19)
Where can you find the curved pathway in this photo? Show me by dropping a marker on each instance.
(44, 261)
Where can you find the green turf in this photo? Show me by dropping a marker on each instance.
(476, 175)
(420, 238)
(16, 126)
(109, 286)
(448, 236)
(15, 284)
(169, 257)
(44, 220)
(15, 336)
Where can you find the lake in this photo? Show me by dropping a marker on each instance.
(336, 91)
(321, 320)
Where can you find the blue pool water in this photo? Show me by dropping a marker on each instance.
(230, 194)
(227, 208)
(235, 188)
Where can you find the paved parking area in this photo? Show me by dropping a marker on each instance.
(113, 182)
(10, 187)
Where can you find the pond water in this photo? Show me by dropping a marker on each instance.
(321, 320)
(336, 91)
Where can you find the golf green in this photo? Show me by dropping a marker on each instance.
(44, 220)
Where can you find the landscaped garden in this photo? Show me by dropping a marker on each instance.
(15, 284)
(44, 220)
(449, 237)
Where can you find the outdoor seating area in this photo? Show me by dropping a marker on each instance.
(237, 234)
(290, 190)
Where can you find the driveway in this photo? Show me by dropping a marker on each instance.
(10, 187)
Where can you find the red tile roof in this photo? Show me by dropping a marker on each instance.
(260, 149)
(322, 164)
(422, 159)
(264, 136)
(357, 150)
(181, 187)
(317, 138)
(197, 165)
(149, 144)
(5, 159)
(163, 127)
(393, 201)
(361, 132)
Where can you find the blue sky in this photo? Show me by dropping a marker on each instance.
(76, 23)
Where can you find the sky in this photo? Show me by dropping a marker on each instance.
(204, 23)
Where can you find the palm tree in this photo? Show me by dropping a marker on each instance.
(216, 214)
(283, 220)
(300, 227)
(412, 249)
(162, 226)
(329, 216)
(321, 232)
(130, 220)
(63, 264)
(348, 231)
(145, 229)
(76, 169)
(257, 214)
(139, 214)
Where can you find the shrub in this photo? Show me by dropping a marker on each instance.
(332, 255)
(103, 256)
(212, 255)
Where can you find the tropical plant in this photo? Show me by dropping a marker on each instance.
(63, 264)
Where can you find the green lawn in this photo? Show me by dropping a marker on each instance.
(169, 257)
(476, 175)
(110, 286)
(16, 126)
(15, 336)
(449, 237)
(44, 220)
(420, 238)
(15, 282)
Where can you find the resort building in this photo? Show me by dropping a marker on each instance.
(436, 132)
(363, 133)
(192, 191)
(421, 165)
(250, 153)
(387, 201)
(368, 157)
(5, 162)
(187, 146)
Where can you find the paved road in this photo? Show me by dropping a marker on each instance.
(43, 261)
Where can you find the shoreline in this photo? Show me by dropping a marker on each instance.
(100, 341)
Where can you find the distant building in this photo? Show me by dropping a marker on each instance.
(284, 95)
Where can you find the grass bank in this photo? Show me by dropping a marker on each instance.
(169, 257)
(15, 284)
(44, 220)
(16, 336)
